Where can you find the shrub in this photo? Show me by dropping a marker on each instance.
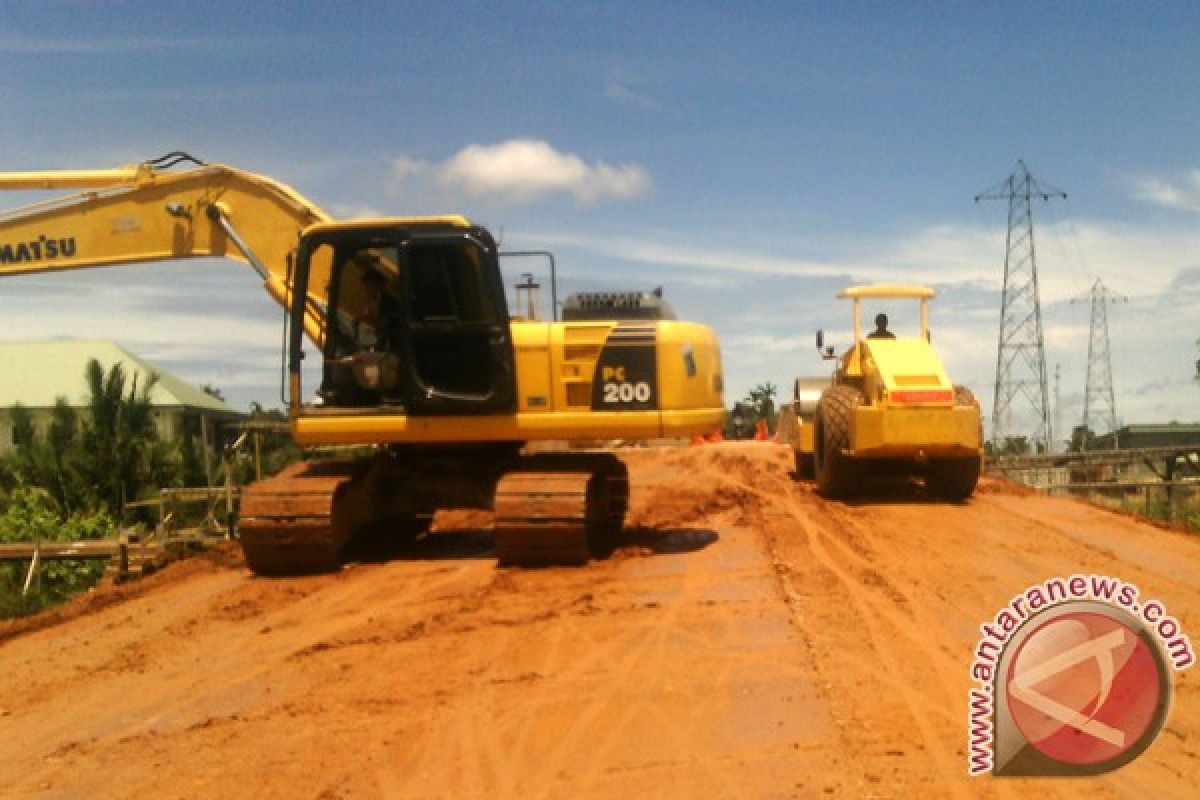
(33, 515)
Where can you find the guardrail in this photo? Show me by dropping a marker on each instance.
(128, 555)
(1189, 454)
(1157, 482)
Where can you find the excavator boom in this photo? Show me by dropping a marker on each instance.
(144, 212)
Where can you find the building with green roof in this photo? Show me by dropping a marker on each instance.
(36, 373)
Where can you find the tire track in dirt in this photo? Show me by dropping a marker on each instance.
(868, 614)
(641, 659)
(775, 495)
(895, 617)
(773, 488)
(1149, 550)
(868, 583)
(649, 632)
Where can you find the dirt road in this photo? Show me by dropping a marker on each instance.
(748, 640)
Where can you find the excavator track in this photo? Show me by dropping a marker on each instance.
(286, 524)
(559, 514)
(549, 508)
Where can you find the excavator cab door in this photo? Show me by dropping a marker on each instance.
(417, 322)
(459, 346)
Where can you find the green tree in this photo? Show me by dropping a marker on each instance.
(51, 461)
(1082, 438)
(100, 459)
(742, 420)
(1011, 446)
(122, 456)
(765, 394)
(191, 454)
(762, 398)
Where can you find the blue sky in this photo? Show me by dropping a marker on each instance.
(751, 160)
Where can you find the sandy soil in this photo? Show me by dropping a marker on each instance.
(749, 639)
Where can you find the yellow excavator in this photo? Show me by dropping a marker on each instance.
(419, 357)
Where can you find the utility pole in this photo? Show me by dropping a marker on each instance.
(1021, 351)
(1099, 390)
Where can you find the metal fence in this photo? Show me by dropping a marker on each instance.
(1160, 483)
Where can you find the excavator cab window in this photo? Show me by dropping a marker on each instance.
(414, 321)
(362, 350)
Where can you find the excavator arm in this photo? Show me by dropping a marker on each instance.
(150, 212)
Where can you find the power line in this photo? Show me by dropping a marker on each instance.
(1057, 404)
(1021, 351)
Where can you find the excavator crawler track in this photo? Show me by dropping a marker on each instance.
(549, 509)
(560, 513)
(286, 523)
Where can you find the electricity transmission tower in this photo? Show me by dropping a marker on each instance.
(1098, 399)
(1021, 352)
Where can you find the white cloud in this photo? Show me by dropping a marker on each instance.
(403, 167)
(619, 87)
(357, 212)
(667, 251)
(1141, 261)
(1185, 196)
(523, 170)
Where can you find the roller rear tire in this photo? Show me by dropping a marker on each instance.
(804, 465)
(838, 475)
(955, 478)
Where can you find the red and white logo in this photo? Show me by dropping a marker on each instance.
(1072, 677)
(1080, 688)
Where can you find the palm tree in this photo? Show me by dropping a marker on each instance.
(50, 461)
(121, 446)
(99, 459)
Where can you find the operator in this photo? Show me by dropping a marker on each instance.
(368, 316)
(881, 331)
(369, 372)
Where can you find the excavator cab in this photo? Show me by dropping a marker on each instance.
(418, 320)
